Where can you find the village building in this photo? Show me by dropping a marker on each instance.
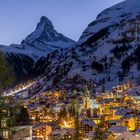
(11, 121)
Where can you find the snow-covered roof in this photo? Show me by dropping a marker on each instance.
(39, 125)
(114, 107)
(62, 132)
(127, 116)
(88, 122)
(118, 129)
(115, 121)
(122, 111)
(128, 136)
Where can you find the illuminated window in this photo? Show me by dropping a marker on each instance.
(5, 134)
(3, 123)
(6, 101)
(4, 111)
(18, 111)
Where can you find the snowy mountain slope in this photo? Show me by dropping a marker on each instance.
(38, 44)
(106, 54)
(111, 16)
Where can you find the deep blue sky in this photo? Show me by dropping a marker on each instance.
(18, 18)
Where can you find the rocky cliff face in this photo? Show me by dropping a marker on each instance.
(106, 54)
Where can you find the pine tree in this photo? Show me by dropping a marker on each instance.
(100, 131)
(63, 113)
(73, 106)
(25, 119)
(77, 134)
(99, 134)
(6, 75)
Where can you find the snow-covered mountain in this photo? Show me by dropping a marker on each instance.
(107, 53)
(39, 43)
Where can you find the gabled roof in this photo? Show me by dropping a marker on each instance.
(89, 135)
(128, 116)
(138, 130)
(62, 132)
(39, 125)
(129, 136)
(106, 100)
(122, 111)
(138, 116)
(114, 107)
(115, 121)
(118, 129)
(88, 122)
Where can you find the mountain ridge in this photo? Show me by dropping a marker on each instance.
(40, 42)
(105, 55)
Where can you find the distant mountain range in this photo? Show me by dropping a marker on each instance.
(107, 53)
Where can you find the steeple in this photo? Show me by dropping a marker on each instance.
(86, 91)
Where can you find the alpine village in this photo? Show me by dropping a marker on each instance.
(53, 88)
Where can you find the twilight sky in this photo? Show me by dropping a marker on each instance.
(18, 18)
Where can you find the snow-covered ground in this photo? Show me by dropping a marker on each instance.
(114, 27)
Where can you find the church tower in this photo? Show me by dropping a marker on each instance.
(86, 99)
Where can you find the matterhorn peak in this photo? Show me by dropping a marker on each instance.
(40, 42)
(44, 23)
(44, 28)
(45, 19)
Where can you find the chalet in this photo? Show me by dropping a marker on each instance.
(41, 130)
(123, 87)
(115, 122)
(86, 126)
(10, 116)
(21, 133)
(130, 120)
(118, 130)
